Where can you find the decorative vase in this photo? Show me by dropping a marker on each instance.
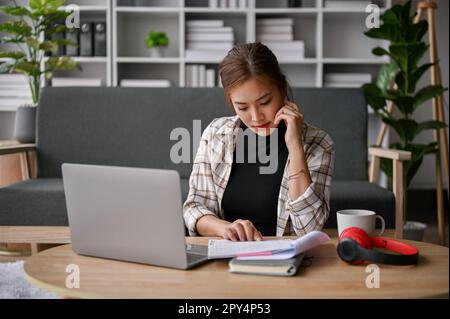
(156, 52)
(25, 124)
(414, 230)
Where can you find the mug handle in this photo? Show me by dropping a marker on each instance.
(383, 224)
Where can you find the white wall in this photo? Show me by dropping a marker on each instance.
(7, 125)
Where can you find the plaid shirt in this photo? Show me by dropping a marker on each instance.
(212, 167)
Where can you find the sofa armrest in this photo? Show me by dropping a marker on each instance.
(397, 158)
(16, 148)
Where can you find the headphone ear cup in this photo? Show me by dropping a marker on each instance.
(348, 251)
(350, 239)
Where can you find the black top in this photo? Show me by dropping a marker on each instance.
(251, 194)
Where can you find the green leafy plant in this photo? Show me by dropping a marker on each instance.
(155, 39)
(25, 30)
(397, 81)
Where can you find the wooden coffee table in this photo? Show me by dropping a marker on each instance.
(327, 277)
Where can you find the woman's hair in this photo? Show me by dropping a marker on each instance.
(246, 61)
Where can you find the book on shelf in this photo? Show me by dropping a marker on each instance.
(210, 78)
(261, 37)
(230, 4)
(11, 103)
(274, 21)
(195, 77)
(55, 37)
(294, 3)
(289, 55)
(287, 45)
(205, 36)
(14, 91)
(86, 39)
(145, 83)
(75, 81)
(13, 78)
(204, 23)
(243, 4)
(213, 4)
(73, 36)
(265, 249)
(346, 4)
(211, 45)
(201, 75)
(205, 54)
(346, 80)
(342, 85)
(11, 91)
(274, 29)
(281, 267)
(198, 76)
(100, 39)
(226, 29)
(348, 77)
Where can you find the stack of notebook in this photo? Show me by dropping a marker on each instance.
(268, 257)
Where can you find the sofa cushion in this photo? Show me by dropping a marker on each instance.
(132, 126)
(41, 202)
(34, 202)
(361, 195)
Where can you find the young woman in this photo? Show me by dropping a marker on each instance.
(233, 199)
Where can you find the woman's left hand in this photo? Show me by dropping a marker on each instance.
(293, 118)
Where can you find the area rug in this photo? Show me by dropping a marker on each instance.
(13, 284)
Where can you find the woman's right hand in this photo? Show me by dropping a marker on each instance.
(240, 230)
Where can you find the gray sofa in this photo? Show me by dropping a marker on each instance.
(131, 127)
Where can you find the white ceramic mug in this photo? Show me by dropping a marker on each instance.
(364, 219)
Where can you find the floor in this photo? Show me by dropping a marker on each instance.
(422, 207)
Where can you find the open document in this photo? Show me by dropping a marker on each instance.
(266, 249)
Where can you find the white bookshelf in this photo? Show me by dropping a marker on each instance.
(333, 37)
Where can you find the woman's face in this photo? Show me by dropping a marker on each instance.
(256, 102)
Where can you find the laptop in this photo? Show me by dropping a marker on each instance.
(130, 214)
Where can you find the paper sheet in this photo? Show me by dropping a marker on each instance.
(266, 249)
(301, 244)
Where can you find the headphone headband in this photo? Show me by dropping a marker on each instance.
(355, 247)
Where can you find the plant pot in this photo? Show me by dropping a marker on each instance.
(25, 124)
(414, 230)
(156, 52)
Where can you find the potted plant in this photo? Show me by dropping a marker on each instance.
(396, 82)
(156, 41)
(25, 32)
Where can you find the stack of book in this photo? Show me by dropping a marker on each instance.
(198, 76)
(267, 257)
(346, 79)
(345, 5)
(145, 83)
(278, 35)
(14, 91)
(229, 4)
(208, 39)
(76, 81)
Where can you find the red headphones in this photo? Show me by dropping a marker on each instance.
(355, 247)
